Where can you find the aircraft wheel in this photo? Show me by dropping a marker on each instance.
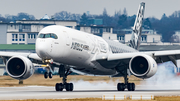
(50, 75)
(68, 87)
(59, 87)
(46, 75)
(71, 86)
(120, 86)
(131, 86)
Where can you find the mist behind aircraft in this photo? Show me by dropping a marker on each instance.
(164, 79)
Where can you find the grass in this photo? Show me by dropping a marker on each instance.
(156, 98)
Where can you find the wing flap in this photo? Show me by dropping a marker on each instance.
(164, 56)
(120, 56)
(165, 53)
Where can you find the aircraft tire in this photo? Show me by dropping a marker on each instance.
(46, 75)
(71, 86)
(59, 87)
(131, 87)
(120, 86)
(50, 75)
(67, 87)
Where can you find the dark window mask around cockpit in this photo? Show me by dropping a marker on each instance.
(48, 35)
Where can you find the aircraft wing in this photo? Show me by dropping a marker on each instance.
(10, 54)
(164, 56)
(158, 56)
(33, 56)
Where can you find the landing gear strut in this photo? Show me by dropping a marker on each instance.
(126, 84)
(20, 81)
(64, 84)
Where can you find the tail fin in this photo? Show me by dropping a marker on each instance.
(137, 29)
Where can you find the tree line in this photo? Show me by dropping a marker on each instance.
(166, 26)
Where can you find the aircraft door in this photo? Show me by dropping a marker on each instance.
(103, 47)
(95, 45)
(67, 38)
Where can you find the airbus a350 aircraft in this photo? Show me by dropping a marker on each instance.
(70, 49)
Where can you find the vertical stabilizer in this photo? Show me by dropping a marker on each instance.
(137, 28)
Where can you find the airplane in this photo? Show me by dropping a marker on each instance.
(70, 49)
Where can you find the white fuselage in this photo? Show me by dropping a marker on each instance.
(76, 48)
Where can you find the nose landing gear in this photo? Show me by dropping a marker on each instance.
(48, 74)
(49, 68)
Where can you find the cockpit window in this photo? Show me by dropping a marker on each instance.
(41, 35)
(49, 35)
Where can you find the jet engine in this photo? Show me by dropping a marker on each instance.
(143, 66)
(19, 67)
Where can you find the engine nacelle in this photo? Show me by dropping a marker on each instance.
(19, 67)
(143, 66)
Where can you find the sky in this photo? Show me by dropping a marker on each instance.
(38, 8)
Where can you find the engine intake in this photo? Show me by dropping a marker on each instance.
(143, 66)
(19, 67)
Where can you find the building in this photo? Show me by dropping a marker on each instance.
(67, 23)
(176, 37)
(148, 36)
(109, 36)
(26, 31)
(95, 22)
(20, 33)
(96, 30)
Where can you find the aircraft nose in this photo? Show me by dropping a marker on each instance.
(42, 49)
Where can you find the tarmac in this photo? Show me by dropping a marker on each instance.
(44, 92)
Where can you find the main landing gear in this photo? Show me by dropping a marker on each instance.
(123, 86)
(64, 84)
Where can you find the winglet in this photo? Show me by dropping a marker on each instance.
(137, 29)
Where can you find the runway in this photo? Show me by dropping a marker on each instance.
(43, 92)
